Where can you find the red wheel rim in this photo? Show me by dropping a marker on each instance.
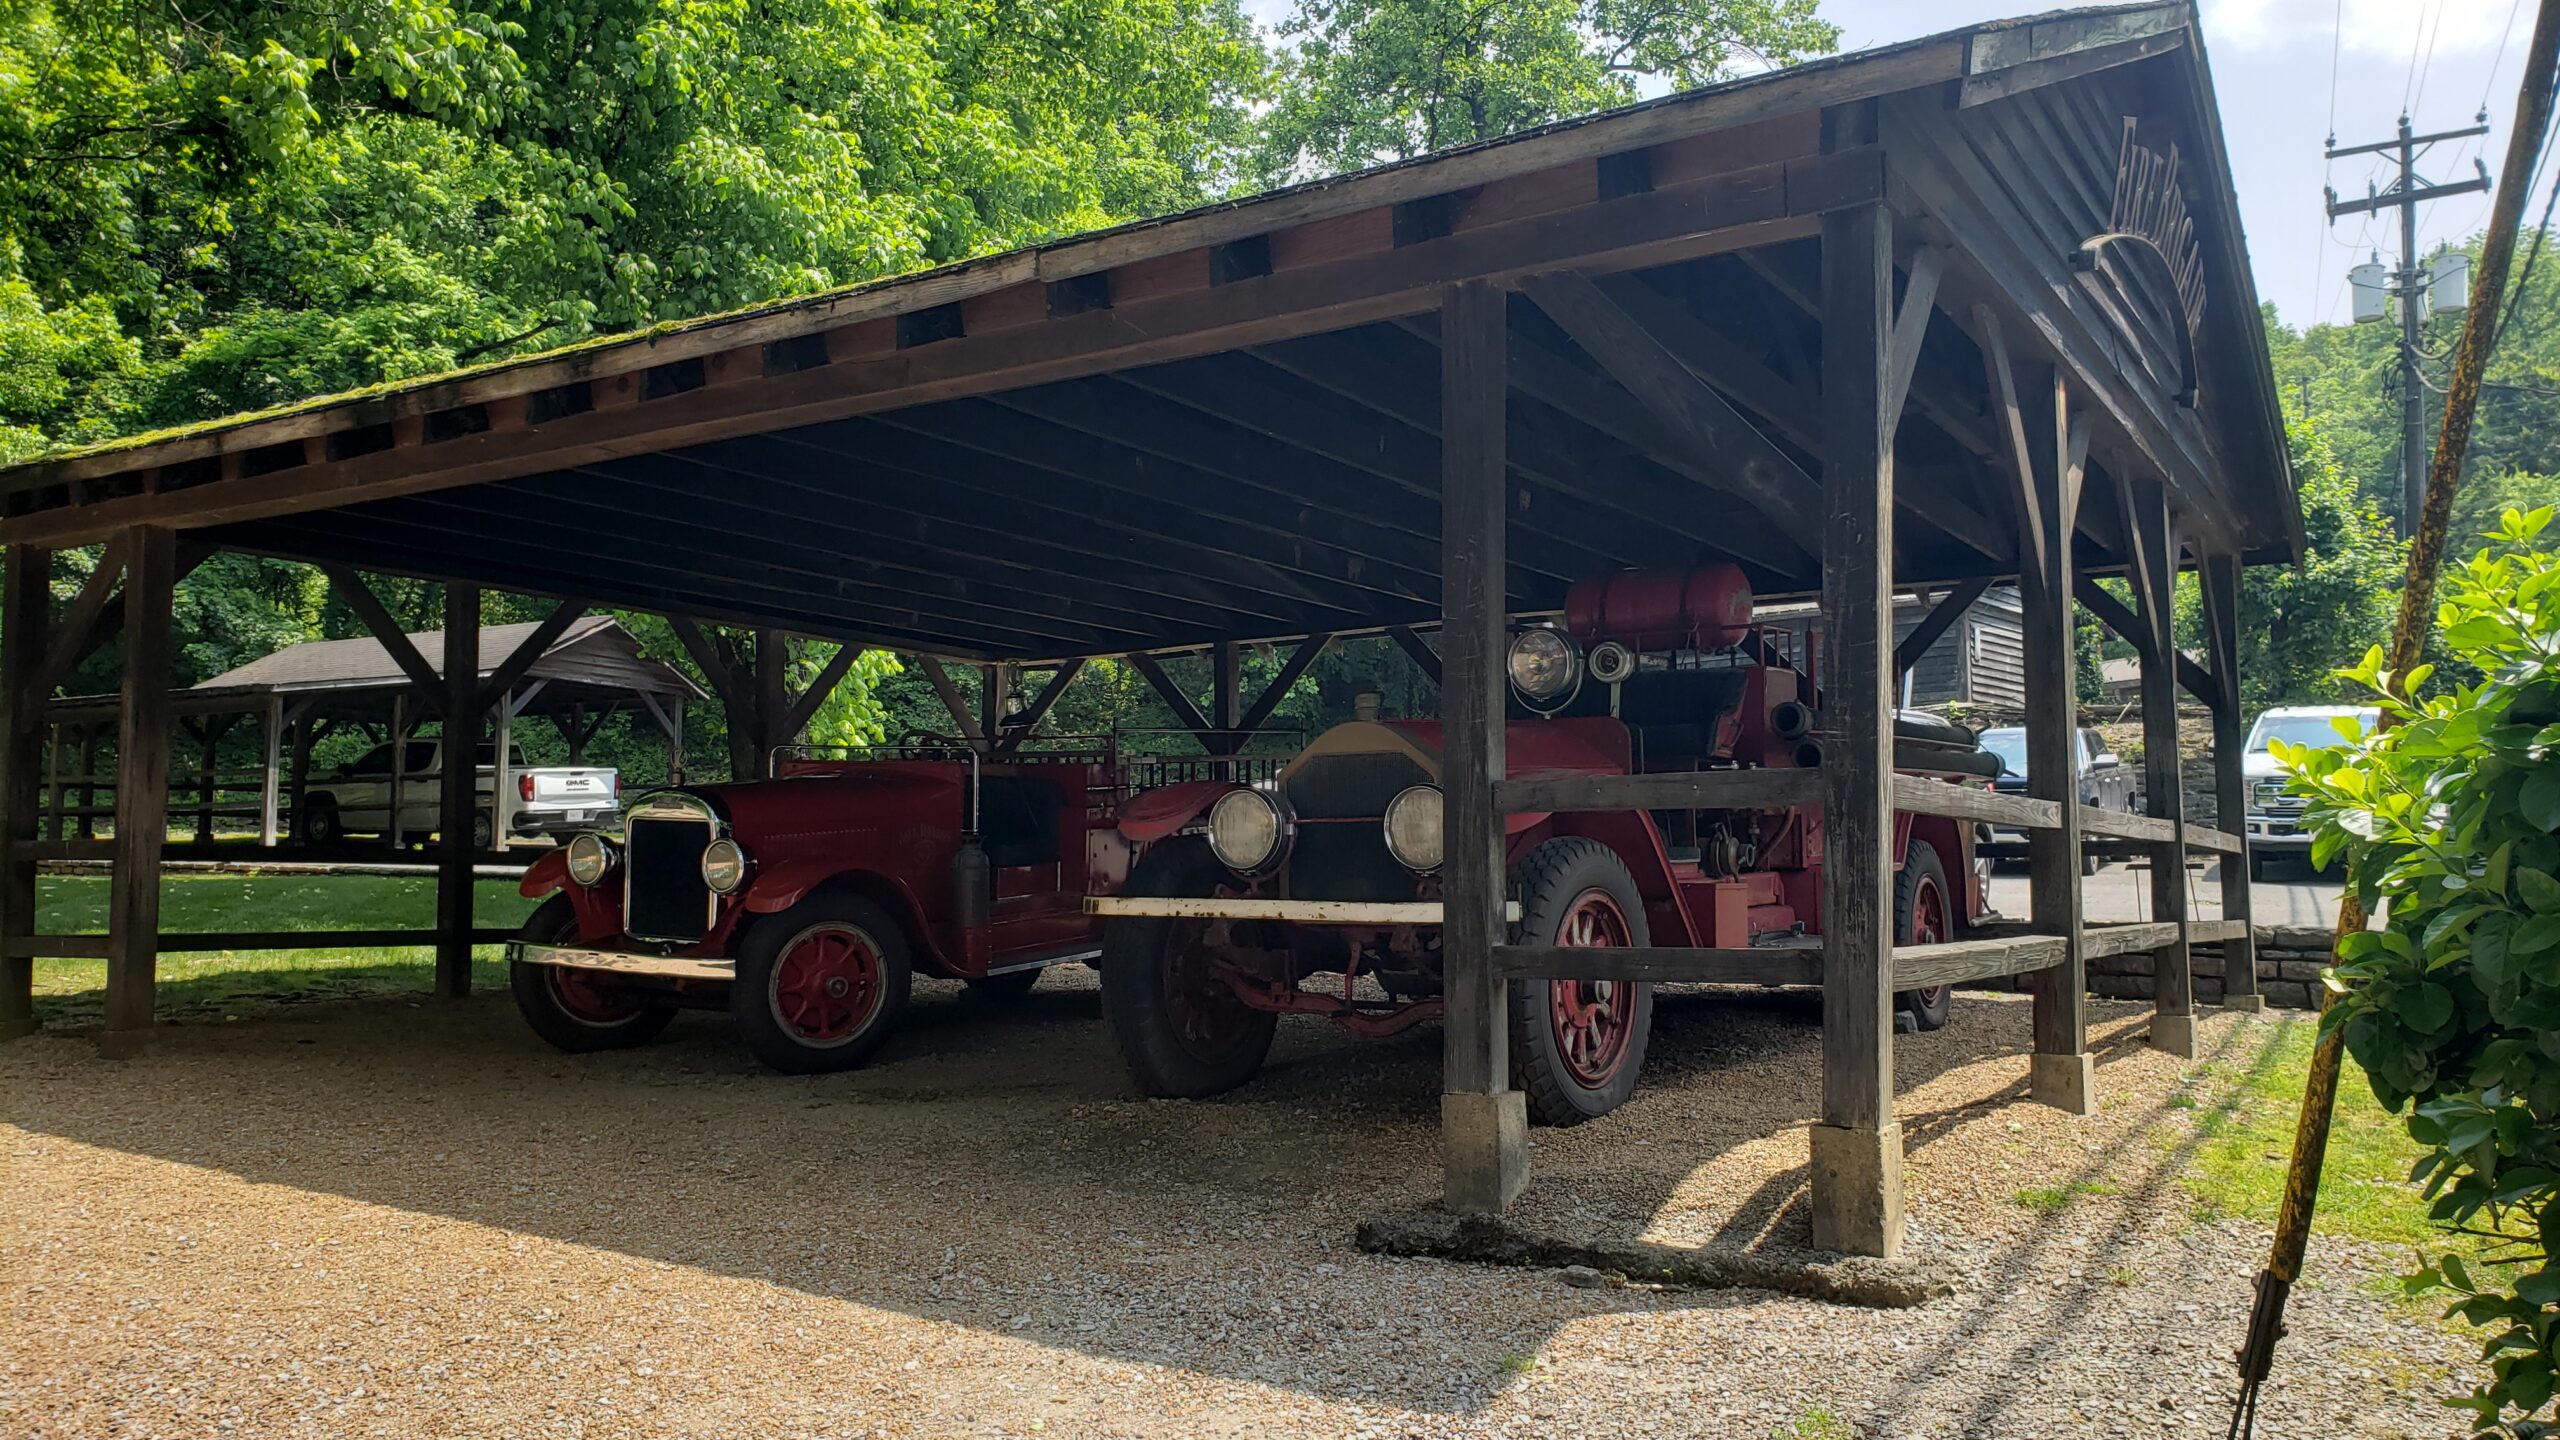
(1207, 1016)
(1593, 1020)
(826, 988)
(1928, 926)
(590, 999)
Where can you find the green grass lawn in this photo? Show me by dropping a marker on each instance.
(2245, 1110)
(71, 992)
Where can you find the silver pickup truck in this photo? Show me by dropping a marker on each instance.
(355, 799)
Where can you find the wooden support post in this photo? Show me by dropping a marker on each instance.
(26, 626)
(1484, 1137)
(299, 781)
(502, 780)
(456, 800)
(208, 735)
(1857, 1145)
(2221, 591)
(2155, 552)
(89, 781)
(142, 787)
(395, 821)
(773, 699)
(271, 771)
(57, 781)
(1226, 699)
(2047, 453)
(995, 685)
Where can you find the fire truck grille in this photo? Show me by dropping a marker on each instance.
(1341, 849)
(1341, 787)
(663, 895)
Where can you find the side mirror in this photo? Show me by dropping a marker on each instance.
(2105, 759)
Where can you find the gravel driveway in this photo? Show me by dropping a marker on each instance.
(411, 1219)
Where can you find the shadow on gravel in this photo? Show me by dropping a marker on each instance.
(992, 1168)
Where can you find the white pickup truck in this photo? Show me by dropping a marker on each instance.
(355, 799)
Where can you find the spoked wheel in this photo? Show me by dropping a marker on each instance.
(580, 1010)
(1577, 1045)
(819, 985)
(1184, 1032)
(1922, 916)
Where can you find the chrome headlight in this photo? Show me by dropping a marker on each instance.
(590, 858)
(1544, 664)
(1249, 831)
(1413, 828)
(724, 865)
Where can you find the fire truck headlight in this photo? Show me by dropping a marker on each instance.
(1413, 828)
(724, 866)
(1544, 663)
(590, 858)
(1249, 831)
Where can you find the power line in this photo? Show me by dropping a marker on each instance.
(2434, 31)
(2488, 87)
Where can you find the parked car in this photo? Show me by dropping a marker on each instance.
(1244, 893)
(355, 799)
(804, 904)
(2106, 783)
(2275, 818)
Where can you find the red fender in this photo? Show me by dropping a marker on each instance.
(1158, 813)
(545, 875)
(779, 887)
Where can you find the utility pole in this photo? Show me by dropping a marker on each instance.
(2409, 283)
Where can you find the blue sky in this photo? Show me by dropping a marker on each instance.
(2273, 63)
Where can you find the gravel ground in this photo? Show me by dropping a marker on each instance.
(411, 1219)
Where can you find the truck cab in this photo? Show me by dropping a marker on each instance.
(2275, 817)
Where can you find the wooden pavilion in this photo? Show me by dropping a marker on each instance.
(574, 671)
(1972, 308)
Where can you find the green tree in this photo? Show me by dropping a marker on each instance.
(2300, 624)
(1369, 80)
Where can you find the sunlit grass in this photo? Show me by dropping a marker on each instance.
(2245, 1110)
(71, 992)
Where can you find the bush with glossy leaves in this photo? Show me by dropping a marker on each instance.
(2449, 821)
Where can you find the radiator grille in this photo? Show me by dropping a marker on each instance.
(663, 895)
(1341, 849)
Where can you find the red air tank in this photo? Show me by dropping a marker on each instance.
(1708, 608)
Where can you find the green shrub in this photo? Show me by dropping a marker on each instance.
(2450, 822)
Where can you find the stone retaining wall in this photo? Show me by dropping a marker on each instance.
(2290, 959)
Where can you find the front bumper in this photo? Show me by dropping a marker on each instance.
(564, 822)
(2278, 835)
(622, 962)
(1295, 912)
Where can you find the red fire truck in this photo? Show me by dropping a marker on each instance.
(805, 903)
(1246, 891)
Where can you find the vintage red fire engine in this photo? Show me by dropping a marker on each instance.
(1244, 891)
(806, 902)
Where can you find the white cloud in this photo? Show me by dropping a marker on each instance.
(2378, 28)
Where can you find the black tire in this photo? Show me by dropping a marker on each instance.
(320, 823)
(1930, 1007)
(1554, 883)
(2089, 862)
(1002, 989)
(2257, 866)
(1182, 1033)
(831, 1008)
(575, 1010)
(484, 834)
